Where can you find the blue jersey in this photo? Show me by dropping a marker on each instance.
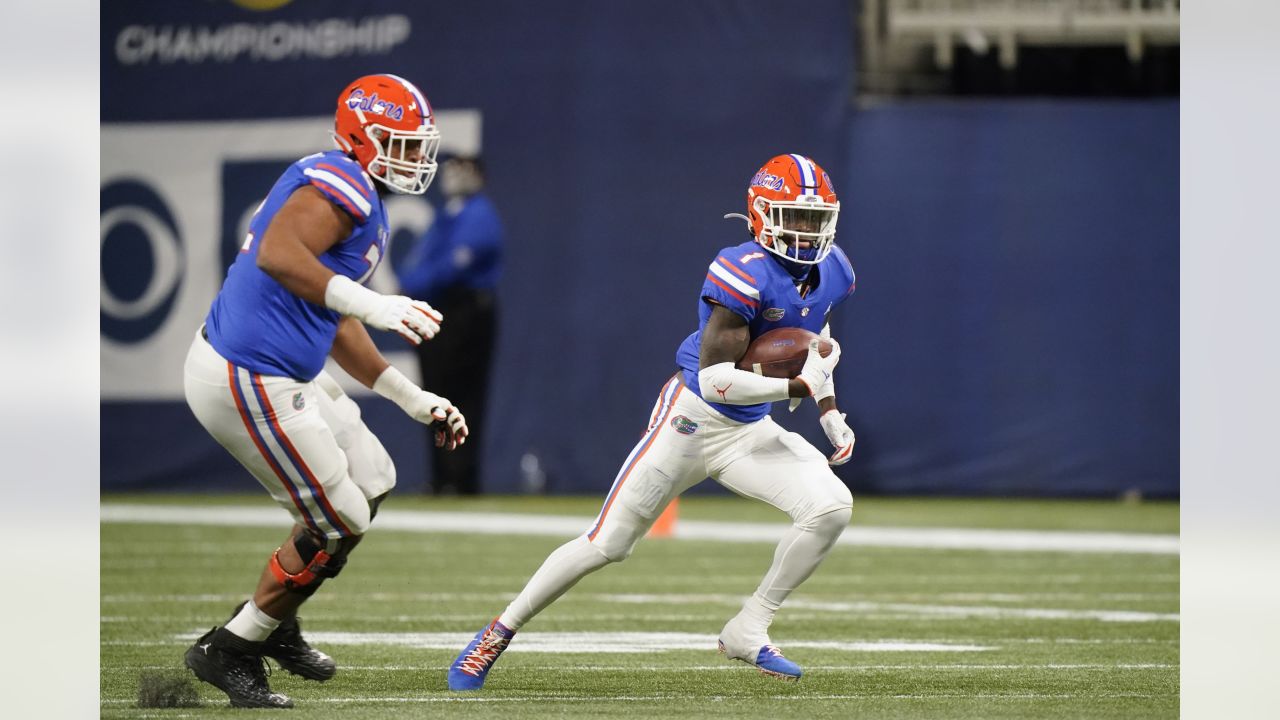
(256, 323)
(747, 280)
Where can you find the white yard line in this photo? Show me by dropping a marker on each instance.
(950, 611)
(938, 641)
(685, 697)
(566, 527)
(600, 642)
(319, 601)
(729, 667)
(863, 609)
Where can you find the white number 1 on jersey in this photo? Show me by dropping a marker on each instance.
(372, 256)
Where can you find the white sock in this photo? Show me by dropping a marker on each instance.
(562, 569)
(252, 624)
(795, 559)
(758, 613)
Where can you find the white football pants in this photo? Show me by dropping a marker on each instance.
(688, 441)
(305, 442)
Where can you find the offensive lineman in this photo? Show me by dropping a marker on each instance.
(712, 420)
(254, 376)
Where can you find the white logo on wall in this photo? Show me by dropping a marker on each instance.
(142, 260)
(271, 42)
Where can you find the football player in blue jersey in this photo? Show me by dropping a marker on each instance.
(712, 420)
(255, 379)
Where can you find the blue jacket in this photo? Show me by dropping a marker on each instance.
(460, 250)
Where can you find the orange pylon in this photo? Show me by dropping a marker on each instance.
(665, 525)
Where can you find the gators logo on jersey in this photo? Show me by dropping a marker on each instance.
(684, 425)
(774, 314)
(298, 402)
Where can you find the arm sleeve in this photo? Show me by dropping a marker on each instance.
(724, 383)
(732, 285)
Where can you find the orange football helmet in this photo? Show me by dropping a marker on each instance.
(792, 209)
(385, 123)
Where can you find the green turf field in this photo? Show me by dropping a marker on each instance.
(882, 632)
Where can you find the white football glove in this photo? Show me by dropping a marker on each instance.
(426, 407)
(444, 418)
(817, 369)
(414, 320)
(828, 388)
(839, 434)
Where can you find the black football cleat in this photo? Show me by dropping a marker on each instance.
(286, 646)
(234, 666)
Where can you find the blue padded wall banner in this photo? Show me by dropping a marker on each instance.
(1015, 325)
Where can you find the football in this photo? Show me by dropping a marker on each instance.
(781, 353)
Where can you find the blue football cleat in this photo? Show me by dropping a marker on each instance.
(770, 661)
(738, 641)
(472, 665)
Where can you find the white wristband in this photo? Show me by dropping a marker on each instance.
(827, 390)
(394, 386)
(349, 297)
(724, 383)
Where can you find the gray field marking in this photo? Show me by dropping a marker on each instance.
(735, 667)
(685, 697)
(601, 642)
(567, 527)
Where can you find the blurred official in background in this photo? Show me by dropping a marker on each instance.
(455, 267)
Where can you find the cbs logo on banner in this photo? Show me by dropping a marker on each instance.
(142, 258)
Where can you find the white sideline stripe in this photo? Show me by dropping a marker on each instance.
(568, 526)
(684, 697)
(319, 601)
(598, 642)
(734, 667)
(337, 597)
(909, 608)
(941, 641)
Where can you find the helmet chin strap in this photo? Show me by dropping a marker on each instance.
(795, 269)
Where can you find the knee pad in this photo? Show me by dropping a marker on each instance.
(613, 551)
(619, 533)
(319, 564)
(583, 555)
(831, 523)
(826, 503)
